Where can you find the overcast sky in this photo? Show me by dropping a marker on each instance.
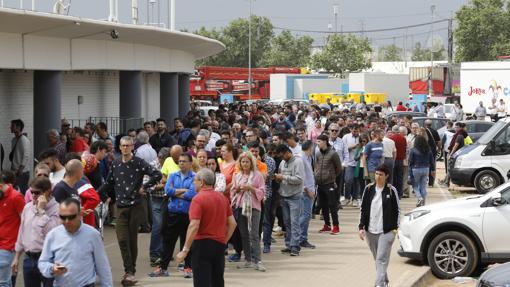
(292, 14)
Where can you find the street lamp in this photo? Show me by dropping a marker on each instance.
(431, 88)
(335, 12)
(249, 53)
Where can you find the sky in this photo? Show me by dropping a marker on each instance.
(290, 14)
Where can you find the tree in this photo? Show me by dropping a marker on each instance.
(343, 53)
(421, 54)
(288, 51)
(482, 33)
(390, 53)
(235, 38)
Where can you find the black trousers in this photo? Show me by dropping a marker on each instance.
(208, 263)
(398, 177)
(235, 240)
(174, 227)
(328, 197)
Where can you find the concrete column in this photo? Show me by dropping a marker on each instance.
(184, 96)
(169, 97)
(47, 106)
(130, 101)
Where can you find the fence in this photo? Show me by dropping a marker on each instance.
(115, 125)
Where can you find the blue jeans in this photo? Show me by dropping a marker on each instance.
(292, 208)
(304, 220)
(32, 276)
(6, 258)
(155, 245)
(351, 189)
(421, 177)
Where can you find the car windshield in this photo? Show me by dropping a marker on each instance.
(448, 108)
(492, 132)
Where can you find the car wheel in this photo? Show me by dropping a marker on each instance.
(452, 254)
(486, 180)
(439, 155)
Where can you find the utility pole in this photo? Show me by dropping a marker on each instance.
(171, 15)
(249, 53)
(405, 48)
(450, 40)
(431, 89)
(335, 12)
(362, 27)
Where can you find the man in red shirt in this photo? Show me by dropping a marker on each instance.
(400, 107)
(79, 145)
(11, 207)
(211, 226)
(398, 169)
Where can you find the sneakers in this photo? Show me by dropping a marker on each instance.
(421, 202)
(306, 244)
(294, 252)
(181, 266)
(245, 265)
(286, 250)
(236, 257)
(346, 202)
(260, 267)
(277, 229)
(159, 273)
(266, 249)
(155, 262)
(335, 230)
(128, 280)
(188, 273)
(325, 228)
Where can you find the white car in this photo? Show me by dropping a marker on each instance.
(457, 236)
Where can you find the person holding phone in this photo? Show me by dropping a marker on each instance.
(73, 253)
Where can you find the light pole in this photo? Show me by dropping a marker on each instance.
(431, 88)
(249, 53)
(335, 12)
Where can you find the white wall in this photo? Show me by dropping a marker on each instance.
(302, 86)
(16, 102)
(395, 86)
(278, 86)
(150, 96)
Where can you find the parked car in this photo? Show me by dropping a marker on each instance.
(485, 163)
(403, 114)
(496, 276)
(437, 123)
(454, 237)
(474, 128)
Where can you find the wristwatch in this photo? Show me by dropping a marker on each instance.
(185, 249)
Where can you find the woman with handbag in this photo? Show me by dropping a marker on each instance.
(421, 162)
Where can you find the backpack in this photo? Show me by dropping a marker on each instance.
(468, 140)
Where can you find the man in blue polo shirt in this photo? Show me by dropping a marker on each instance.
(373, 154)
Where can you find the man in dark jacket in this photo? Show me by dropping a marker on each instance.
(379, 220)
(327, 167)
(162, 138)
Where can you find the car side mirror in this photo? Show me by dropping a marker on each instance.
(498, 201)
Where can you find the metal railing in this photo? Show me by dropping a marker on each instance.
(115, 125)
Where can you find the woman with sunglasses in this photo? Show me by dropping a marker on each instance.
(220, 184)
(40, 170)
(359, 178)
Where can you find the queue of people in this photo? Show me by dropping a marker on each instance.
(223, 179)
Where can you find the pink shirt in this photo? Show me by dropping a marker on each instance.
(257, 182)
(34, 227)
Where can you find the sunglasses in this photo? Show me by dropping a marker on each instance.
(36, 192)
(42, 174)
(334, 131)
(68, 217)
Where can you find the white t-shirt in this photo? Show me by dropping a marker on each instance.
(57, 176)
(376, 213)
(388, 147)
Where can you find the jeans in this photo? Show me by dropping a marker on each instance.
(6, 258)
(398, 177)
(155, 245)
(250, 238)
(389, 162)
(174, 227)
(304, 220)
(421, 176)
(128, 222)
(31, 274)
(208, 263)
(328, 203)
(380, 246)
(351, 189)
(292, 208)
(22, 182)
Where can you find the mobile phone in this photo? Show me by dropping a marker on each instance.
(61, 267)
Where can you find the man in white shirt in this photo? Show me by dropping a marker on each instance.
(480, 112)
(440, 111)
(501, 110)
(389, 153)
(50, 158)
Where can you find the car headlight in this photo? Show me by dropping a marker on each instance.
(458, 162)
(417, 214)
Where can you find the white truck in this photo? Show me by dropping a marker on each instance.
(483, 82)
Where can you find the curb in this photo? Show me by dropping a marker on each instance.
(422, 280)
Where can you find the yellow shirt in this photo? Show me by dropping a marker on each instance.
(169, 166)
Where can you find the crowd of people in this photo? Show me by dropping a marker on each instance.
(225, 178)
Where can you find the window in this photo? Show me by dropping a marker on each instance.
(502, 143)
(505, 195)
(481, 128)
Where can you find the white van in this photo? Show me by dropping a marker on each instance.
(484, 164)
